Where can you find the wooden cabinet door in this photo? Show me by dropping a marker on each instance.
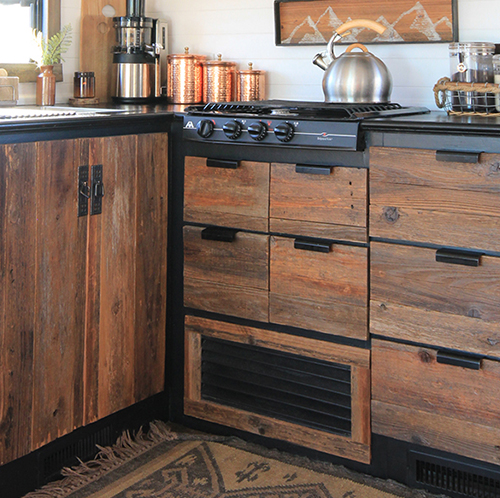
(17, 297)
(127, 275)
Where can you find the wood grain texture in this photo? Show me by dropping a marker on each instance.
(415, 197)
(318, 230)
(451, 391)
(230, 300)
(356, 447)
(243, 262)
(17, 297)
(450, 434)
(60, 294)
(97, 38)
(151, 267)
(410, 276)
(324, 316)
(118, 271)
(227, 197)
(340, 275)
(313, 22)
(435, 328)
(339, 198)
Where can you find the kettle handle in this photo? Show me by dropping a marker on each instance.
(356, 45)
(356, 23)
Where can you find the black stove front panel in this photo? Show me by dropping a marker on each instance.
(274, 132)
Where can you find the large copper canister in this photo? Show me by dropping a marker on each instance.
(185, 78)
(219, 80)
(250, 84)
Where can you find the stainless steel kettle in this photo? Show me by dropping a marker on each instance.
(354, 77)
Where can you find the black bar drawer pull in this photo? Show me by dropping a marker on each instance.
(312, 245)
(471, 362)
(455, 257)
(313, 170)
(456, 156)
(219, 163)
(219, 234)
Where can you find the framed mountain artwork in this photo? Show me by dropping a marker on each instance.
(312, 22)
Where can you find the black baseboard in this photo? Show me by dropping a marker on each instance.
(43, 465)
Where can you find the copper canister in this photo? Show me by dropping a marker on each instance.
(250, 84)
(219, 80)
(185, 78)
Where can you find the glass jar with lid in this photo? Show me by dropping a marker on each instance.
(471, 62)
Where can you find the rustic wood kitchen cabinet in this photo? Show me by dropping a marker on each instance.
(278, 245)
(82, 331)
(435, 299)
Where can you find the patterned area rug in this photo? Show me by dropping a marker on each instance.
(167, 464)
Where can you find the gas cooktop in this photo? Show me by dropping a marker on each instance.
(287, 122)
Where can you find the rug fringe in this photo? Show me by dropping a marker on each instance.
(126, 448)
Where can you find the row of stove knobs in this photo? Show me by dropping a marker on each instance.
(258, 131)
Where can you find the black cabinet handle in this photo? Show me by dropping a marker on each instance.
(219, 163)
(219, 234)
(312, 245)
(456, 257)
(456, 156)
(313, 170)
(457, 360)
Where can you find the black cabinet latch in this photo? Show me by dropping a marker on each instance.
(83, 191)
(97, 190)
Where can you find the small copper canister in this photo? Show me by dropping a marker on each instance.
(185, 78)
(250, 84)
(219, 80)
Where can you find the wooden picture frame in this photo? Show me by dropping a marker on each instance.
(313, 22)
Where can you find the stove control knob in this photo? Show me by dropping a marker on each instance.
(257, 131)
(232, 129)
(205, 128)
(284, 132)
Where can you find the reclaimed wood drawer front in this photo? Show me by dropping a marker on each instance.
(324, 291)
(222, 276)
(443, 406)
(267, 383)
(227, 196)
(325, 203)
(416, 298)
(415, 197)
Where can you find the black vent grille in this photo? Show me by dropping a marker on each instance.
(83, 449)
(287, 387)
(454, 478)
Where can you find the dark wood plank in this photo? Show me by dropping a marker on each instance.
(151, 267)
(227, 197)
(339, 198)
(60, 294)
(17, 296)
(117, 275)
(410, 276)
(243, 262)
(230, 300)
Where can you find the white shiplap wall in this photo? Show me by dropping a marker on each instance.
(243, 31)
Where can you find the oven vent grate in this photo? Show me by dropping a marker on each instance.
(284, 386)
(455, 479)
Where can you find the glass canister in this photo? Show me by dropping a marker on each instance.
(250, 84)
(185, 78)
(496, 79)
(471, 62)
(219, 80)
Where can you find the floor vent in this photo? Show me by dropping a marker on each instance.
(68, 455)
(288, 387)
(454, 478)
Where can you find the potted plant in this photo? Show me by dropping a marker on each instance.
(49, 53)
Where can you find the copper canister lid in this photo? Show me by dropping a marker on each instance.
(185, 78)
(219, 80)
(250, 84)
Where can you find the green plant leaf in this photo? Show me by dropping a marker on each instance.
(55, 46)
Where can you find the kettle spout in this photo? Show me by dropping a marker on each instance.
(320, 62)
